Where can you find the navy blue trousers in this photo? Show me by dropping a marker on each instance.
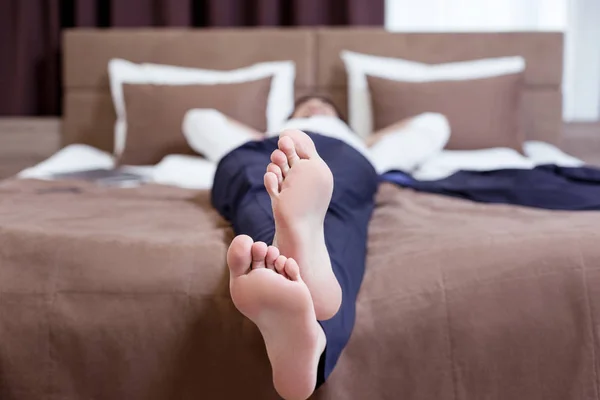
(240, 196)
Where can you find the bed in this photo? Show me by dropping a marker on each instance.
(111, 293)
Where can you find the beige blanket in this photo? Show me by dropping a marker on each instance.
(123, 294)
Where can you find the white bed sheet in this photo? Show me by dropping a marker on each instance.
(177, 170)
(73, 158)
(537, 153)
(198, 173)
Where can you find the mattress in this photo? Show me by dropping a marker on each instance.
(123, 293)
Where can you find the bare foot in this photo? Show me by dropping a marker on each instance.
(270, 292)
(300, 185)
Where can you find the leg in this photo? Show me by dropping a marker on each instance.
(345, 223)
(300, 185)
(238, 191)
(239, 196)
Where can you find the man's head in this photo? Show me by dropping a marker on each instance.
(312, 105)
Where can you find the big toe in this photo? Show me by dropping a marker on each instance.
(303, 144)
(288, 147)
(239, 257)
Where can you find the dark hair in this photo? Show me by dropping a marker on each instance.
(324, 99)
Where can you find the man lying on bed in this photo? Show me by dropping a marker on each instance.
(400, 146)
(310, 196)
(409, 154)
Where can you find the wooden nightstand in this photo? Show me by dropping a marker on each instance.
(25, 142)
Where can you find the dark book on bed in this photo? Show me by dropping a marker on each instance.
(108, 177)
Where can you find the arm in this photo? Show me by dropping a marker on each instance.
(377, 135)
(407, 144)
(210, 133)
(243, 128)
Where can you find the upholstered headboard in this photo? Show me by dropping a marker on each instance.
(89, 114)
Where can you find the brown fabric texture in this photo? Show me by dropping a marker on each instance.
(482, 113)
(155, 114)
(89, 115)
(218, 49)
(123, 294)
(30, 33)
(542, 51)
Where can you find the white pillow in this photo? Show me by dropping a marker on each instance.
(358, 66)
(280, 102)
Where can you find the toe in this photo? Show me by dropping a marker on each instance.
(292, 270)
(280, 264)
(271, 184)
(259, 253)
(272, 254)
(304, 146)
(279, 158)
(239, 256)
(286, 144)
(274, 168)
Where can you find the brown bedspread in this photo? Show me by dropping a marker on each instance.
(122, 294)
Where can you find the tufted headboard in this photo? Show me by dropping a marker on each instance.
(89, 115)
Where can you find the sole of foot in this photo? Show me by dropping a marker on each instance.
(267, 288)
(300, 185)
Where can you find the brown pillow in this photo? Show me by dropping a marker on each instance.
(155, 114)
(482, 113)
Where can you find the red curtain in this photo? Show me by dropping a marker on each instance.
(30, 33)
